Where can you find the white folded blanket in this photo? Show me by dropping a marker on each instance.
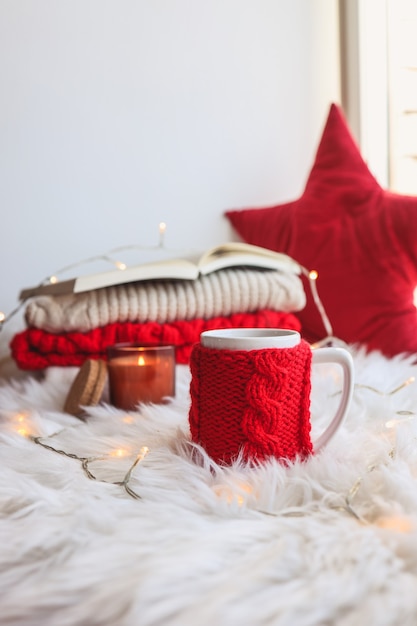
(221, 293)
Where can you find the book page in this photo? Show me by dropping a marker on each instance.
(180, 269)
(235, 254)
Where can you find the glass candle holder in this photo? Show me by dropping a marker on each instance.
(140, 373)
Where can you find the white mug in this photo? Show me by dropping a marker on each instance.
(215, 384)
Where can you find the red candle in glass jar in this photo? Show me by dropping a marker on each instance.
(140, 374)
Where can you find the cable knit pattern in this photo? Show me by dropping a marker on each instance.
(256, 402)
(35, 348)
(222, 293)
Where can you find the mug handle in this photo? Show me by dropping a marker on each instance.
(344, 359)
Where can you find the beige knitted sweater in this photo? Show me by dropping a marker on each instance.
(221, 293)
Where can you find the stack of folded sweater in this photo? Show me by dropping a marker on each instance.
(65, 330)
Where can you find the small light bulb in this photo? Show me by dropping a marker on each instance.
(53, 280)
(162, 230)
(313, 275)
(143, 452)
(400, 420)
(395, 523)
(120, 452)
(2, 317)
(22, 424)
(120, 265)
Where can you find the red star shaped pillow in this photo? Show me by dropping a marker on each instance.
(360, 238)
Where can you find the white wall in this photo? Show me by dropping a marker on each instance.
(118, 114)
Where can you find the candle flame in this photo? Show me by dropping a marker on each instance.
(141, 360)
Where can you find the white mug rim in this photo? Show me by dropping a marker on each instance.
(250, 338)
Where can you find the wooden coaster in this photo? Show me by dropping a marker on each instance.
(87, 388)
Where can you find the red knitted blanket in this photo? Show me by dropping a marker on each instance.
(252, 402)
(34, 348)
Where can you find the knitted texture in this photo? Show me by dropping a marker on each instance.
(253, 402)
(35, 348)
(222, 293)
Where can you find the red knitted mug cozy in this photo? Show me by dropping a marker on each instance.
(256, 402)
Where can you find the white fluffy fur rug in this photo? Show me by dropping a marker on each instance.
(329, 541)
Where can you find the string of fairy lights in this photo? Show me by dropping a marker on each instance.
(23, 424)
(86, 462)
(106, 257)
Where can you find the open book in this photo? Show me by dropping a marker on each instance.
(233, 254)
